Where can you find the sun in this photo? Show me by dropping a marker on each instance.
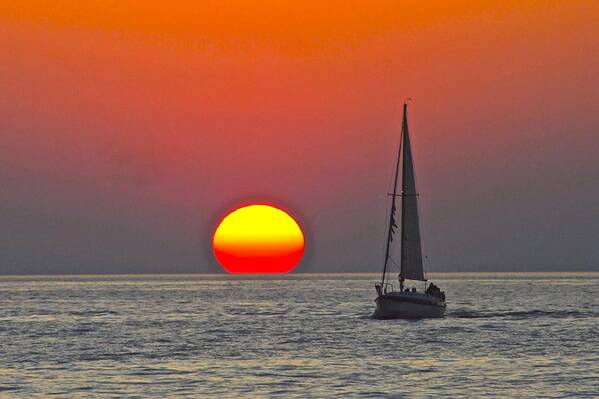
(258, 239)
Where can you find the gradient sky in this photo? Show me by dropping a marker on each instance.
(128, 129)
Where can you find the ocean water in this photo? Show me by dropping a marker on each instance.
(506, 335)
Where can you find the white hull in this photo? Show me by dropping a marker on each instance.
(408, 306)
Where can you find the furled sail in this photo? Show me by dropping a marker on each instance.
(393, 222)
(411, 248)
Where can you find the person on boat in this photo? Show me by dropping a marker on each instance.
(414, 289)
(433, 289)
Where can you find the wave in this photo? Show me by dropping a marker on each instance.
(93, 313)
(519, 314)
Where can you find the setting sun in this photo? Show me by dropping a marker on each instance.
(258, 239)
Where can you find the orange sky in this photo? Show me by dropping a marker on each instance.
(133, 125)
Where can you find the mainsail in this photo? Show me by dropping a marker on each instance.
(411, 248)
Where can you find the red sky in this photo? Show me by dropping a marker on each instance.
(127, 129)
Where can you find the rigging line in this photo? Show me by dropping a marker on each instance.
(387, 211)
(393, 207)
(387, 216)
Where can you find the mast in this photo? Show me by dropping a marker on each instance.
(392, 224)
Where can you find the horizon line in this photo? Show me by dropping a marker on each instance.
(270, 275)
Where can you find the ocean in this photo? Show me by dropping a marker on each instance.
(303, 336)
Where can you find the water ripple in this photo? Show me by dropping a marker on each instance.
(211, 336)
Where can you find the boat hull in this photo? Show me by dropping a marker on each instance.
(411, 306)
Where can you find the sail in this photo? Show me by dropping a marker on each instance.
(411, 248)
(393, 223)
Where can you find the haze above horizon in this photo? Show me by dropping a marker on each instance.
(127, 132)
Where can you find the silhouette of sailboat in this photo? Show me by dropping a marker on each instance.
(406, 303)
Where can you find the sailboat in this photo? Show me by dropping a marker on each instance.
(406, 303)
